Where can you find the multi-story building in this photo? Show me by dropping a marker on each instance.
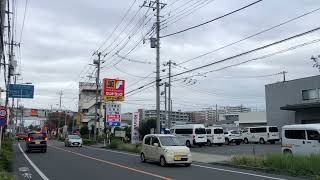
(177, 117)
(293, 102)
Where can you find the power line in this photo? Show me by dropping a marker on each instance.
(116, 27)
(253, 35)
(250, 51)
(24, 18)
(220, 17)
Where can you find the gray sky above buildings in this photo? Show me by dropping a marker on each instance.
(59, 38)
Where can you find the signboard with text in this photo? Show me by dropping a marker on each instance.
(114, 120)
(3, 116)
(135, 128)
(21, 91)
(113, 89)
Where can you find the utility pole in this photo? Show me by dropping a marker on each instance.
(60, 94)
(170, 63)
(217, 115)
(155, 5)
(284, 75)
(166, 104)
(97, 63)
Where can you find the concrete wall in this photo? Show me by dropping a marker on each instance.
(252, 117)
(286, 93)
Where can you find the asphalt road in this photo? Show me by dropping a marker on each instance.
(92, 163)
(242, 149)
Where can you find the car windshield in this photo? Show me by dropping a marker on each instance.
(170, 141)
(73, 137)
(235, 132)
(218, 131)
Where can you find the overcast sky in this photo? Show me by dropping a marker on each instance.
(59, 38)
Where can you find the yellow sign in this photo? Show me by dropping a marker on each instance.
(78, 118)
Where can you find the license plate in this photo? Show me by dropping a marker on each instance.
(37, 142)
(177, 158)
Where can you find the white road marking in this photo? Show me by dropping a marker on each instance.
(44, 177)
(201, 166)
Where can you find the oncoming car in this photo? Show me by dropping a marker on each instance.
(73, 140)
(166, 149)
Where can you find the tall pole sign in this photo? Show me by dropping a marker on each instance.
(135, 128)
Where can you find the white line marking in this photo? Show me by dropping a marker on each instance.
(237, 172)
(44, 177)
(201, 166)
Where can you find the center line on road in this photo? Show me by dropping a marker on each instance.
(44, 177)
(114, 164)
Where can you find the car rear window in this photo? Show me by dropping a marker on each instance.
(38, 136)
(200, 131)
(273, 129)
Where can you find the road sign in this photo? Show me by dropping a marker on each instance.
(21, 91)
(3, 116)
(113, 89)
(114, 119)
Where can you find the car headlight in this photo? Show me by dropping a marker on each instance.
(168, 151)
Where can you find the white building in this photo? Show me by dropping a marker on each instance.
(252, 119)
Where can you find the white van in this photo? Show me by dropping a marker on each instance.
(301, 139)
(190, 134)
(215, 135)
(261, 134)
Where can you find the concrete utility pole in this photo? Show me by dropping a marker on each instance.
(284, 75)
(170, 63)
(60, 94)
(97, 63)
(166, 104)
(217, 114)
(155, 5)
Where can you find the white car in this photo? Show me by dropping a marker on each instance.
(166, 149)
(73, 140)
(233, 137)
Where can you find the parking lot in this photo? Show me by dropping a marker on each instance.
(243, 149)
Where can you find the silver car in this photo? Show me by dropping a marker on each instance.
(73, 140)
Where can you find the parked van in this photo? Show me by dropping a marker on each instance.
(261, 134)
(301, 139)
(215, 136)
(190, 134)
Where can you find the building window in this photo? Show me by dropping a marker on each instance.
(310, 94)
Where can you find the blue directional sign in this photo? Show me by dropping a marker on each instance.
(21, 91)
(114, 123)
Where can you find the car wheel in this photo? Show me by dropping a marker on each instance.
(188, 144)
(261, 141)
(142, 158)
(163, 162)
(187, 164)
(238, 143)
(209, 143)
(287, 152)
(227, 141)
(246, 141)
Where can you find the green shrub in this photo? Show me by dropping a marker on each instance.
(88, 142)
(7, 156)
(114, 143)
(5, 176)
(294, 165)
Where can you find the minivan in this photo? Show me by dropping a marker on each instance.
(260, 134)
(190, 134)
(303, 139)
(215, 135)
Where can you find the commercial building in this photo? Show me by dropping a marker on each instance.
(293, 102)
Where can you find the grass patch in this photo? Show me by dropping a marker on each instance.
(293, 165)
(119, 145)
(5, 175)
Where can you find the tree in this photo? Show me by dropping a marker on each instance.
(84, 130)
(146, 126)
